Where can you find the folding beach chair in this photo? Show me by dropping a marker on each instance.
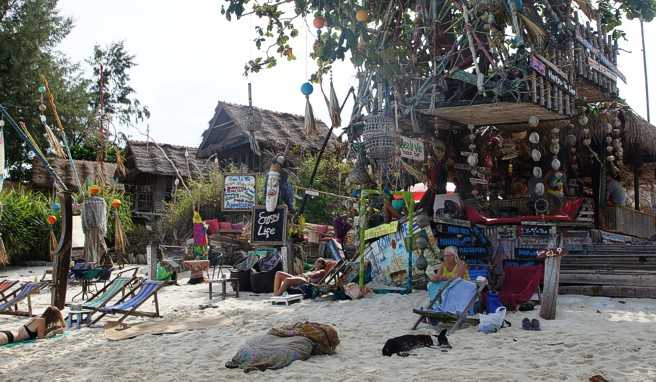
(520, 283)
(128, 307)
(17, 296)
(5, 285)
(451, 304)
(110, 290)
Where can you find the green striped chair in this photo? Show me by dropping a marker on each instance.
(103, 296)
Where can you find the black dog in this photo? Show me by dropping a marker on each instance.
(401, 345)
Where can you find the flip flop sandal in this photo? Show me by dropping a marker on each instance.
(526, 324)
(535, 325)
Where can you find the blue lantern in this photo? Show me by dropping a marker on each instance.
(307, 89)
(55, 207)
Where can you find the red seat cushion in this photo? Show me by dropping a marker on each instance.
(520, 283)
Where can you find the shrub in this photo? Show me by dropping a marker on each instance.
(23, 224)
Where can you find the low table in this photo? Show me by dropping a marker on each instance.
(82, 315)
(224, 293)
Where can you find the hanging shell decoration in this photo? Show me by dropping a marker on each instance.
(555, 164)
(537, 172)
(534, 138)
(472, 159)
(533, 121)
(587, 141)
(539, 189)
(554, 148)
(536, 155)
(571, 140)
(583, 120)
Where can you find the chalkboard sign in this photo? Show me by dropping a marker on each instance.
(269, 227)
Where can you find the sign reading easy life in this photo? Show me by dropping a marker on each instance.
(411, 148)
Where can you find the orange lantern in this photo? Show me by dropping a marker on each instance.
(319, 22)
(52, 219)
(94, 189)
(362, 16)
(116, 204)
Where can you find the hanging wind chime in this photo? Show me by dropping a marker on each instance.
(52, 239)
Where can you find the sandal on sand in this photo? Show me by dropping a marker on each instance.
(535, 325)
(526, 324)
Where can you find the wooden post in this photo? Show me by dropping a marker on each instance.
(550, 294)
(62, 260)
(636, 186)
(151, 260)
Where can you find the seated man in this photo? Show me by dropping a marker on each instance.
(283, 280)
(51, 321)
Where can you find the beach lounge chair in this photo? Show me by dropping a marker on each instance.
(451, 304)
(520, 283)
(128, 306)
(111, 289)
(5, 285)
(17, 296)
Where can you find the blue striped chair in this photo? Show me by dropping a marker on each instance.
(128, 305)
(17, 296)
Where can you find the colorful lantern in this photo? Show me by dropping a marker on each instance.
(362, 16)
(55, 207)
(307, 89)
(94, 189)
(52, 219)
(116, 204)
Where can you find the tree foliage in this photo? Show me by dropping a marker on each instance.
(30, 31)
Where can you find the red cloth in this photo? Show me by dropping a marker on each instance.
(212, 226)
(520, 283)
(567, 213)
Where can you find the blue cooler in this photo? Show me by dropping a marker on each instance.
(493, 302)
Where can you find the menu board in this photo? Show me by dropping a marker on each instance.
(269, 227)
(239, 192)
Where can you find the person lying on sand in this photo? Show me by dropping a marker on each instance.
(50, 322)
(283, 280)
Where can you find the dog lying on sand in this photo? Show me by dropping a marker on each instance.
(402, 344)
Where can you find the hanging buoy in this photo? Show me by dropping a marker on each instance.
(319, 22)
(55, 207)
(52, 219)
(362, 16)
(307, 89)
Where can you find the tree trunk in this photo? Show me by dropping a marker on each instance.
(62, 260)
(550, 294)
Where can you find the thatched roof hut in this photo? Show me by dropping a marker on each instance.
(162, 159)
(228, 135)
(85, 170)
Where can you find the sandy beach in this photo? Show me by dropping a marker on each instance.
(611, 337)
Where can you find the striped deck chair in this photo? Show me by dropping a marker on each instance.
(110, 290)
(17, 296)
(128, 307)
(5, 285)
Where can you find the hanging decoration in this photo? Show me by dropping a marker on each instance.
(536, 155)
(94, 225)
(310, 122)
(4, 258)
(120, 239)
(617, 139)
(200, 237)
(52, 139)
(52, 239)
(2, 153)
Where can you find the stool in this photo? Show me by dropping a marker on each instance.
(82, 316)
(224, 293)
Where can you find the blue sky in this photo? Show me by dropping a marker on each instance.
(190, 57)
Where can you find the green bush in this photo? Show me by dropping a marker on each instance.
(23, 224)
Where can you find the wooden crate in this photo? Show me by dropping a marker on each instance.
(628, 221)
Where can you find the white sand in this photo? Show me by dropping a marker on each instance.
(590, 336)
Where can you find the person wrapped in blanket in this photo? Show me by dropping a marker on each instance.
(49, 323)
(284, 281)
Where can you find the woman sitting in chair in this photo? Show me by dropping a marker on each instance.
(283, 280)
(50, 322)
(452, 267)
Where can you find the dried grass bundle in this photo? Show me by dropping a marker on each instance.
(4, 259)
(120, 239)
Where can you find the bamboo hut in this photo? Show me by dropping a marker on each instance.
(152, 170)
(229, 135)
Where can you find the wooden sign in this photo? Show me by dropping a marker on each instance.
(239, 192)
(535, 230)
(506, 232)
(600, 56)
(411, 148)
(269, 227)
(552, 73)
(381, 230)
(601, 69)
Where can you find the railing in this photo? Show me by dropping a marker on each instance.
(549, 85)
(595, 60)
(628, 221)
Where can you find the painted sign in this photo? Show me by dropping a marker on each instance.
(269, 227)
(389, 256)
(411, 148)
(552, 73)
(381, 230)
(239, 192)
(601, 69)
